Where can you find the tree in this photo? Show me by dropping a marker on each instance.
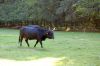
(89, 10)
(62, 14)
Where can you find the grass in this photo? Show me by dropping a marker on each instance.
(76, 48)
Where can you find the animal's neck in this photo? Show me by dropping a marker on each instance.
(43, 38)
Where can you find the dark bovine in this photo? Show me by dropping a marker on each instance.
(34, 32)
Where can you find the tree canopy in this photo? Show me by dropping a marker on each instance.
(53, 13)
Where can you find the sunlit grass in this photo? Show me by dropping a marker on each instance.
(77, 48)
(48, 61)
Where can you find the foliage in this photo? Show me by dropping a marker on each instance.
(55, 13)
(89, 8)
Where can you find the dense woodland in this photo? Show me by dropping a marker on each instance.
(67, 15)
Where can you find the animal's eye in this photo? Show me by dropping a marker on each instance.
(47, 33)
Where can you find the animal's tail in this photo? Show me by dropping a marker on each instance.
(19, 37)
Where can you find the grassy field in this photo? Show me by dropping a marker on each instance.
(75, 48)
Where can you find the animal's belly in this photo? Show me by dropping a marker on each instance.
(32, 37)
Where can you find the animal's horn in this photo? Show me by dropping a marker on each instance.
(54, 29)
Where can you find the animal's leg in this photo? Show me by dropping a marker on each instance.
(41, 44)
(20, 40)
(27, 42)
(36, 43)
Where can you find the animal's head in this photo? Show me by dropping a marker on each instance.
(49, 34)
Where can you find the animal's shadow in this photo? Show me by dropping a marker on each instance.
(34, 48)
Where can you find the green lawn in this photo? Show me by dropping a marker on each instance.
(76, 48)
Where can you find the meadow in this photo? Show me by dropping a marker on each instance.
(75, 48)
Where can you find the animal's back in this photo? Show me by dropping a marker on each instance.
(31, 32)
